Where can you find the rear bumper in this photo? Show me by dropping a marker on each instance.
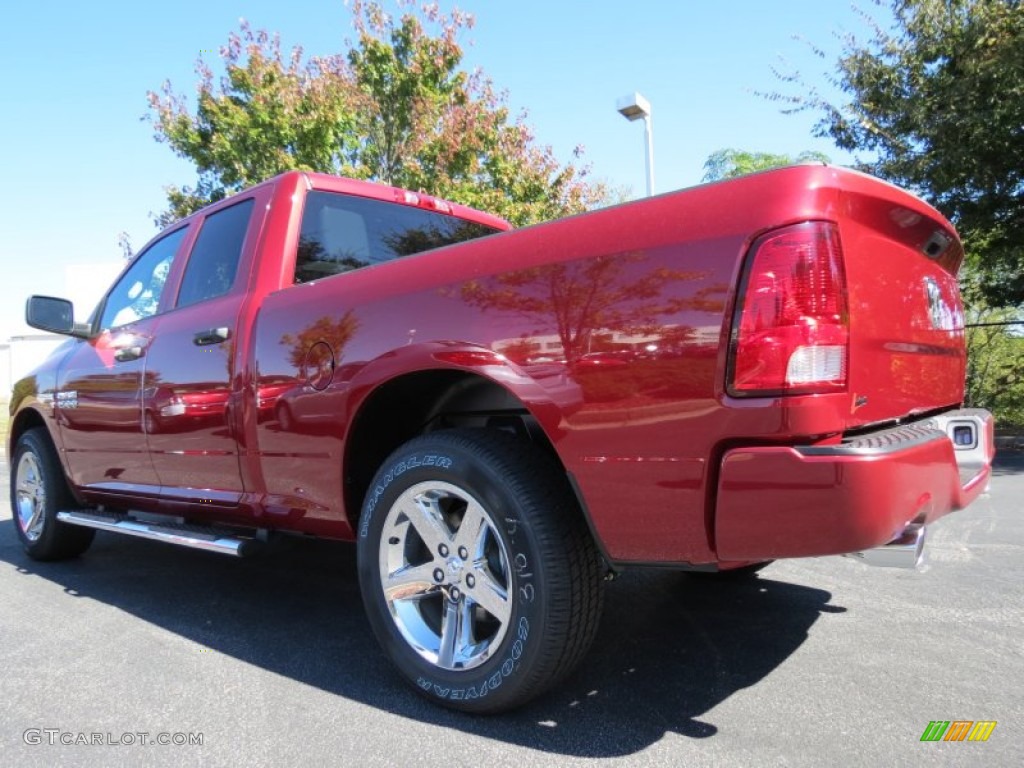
(778, 501)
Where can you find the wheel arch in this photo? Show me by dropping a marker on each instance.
(414, 403)
(31, 417)
(49, 538)
(25, 419)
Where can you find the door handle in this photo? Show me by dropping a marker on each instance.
(211, 336)
(124, 354)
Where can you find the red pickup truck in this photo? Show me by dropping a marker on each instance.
(764, 368)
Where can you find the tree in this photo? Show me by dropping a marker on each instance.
(994, 350)
(269, 114)
(938, 104)
(395, 107)
(124, 242)
(731, 163)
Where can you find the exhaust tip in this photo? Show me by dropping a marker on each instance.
(905, 551)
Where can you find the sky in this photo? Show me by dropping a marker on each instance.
(81, 163)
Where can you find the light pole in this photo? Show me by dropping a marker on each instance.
(633, 107)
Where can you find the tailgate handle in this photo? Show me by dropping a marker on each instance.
(211, 336)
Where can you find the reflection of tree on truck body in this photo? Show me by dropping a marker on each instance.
(335, 333)
(589, 302)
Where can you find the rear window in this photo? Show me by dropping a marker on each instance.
(342, 232)
(211, 268)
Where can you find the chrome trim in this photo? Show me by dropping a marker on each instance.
(194, 537)
(899, 438)
(446, 575)
(30, 496)
(973, 456)
(905, 551)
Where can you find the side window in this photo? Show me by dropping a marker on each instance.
(211, 268)
(137, 294)
(345, 232)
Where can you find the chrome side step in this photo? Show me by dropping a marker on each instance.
(181, 534)
(905, 551)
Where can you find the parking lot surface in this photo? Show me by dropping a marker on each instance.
(270, 661)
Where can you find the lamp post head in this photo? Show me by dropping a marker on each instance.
(636, 107)
(633, 107)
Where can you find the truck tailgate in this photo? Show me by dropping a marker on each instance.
(907, 352)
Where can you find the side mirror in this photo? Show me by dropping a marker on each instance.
(55, 315)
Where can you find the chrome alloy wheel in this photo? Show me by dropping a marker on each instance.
(30, 496)
(445, 575)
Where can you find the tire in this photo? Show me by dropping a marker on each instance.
(478, 574)
(284, 417)
(38, 491)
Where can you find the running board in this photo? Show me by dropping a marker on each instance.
(181, 534)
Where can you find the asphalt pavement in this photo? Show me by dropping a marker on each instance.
(270, 661)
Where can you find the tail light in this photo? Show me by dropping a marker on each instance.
(791, 328)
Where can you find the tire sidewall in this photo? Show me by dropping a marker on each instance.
(502, 676)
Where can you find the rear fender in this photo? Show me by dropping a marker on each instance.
(466, 358)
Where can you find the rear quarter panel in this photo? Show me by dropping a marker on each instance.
(606, 326)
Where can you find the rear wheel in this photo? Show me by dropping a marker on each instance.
(38, 491)
(479, 576)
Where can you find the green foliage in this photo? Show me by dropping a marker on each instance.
(395, 107)
(732, 163)
(938, 103)
(268, 114)
(995, 377)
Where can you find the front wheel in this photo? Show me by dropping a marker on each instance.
(38, 491)
(478, 574)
